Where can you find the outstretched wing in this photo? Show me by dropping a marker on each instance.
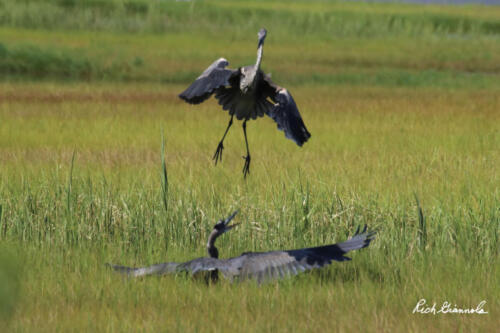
(159, 269)
(285, 112)
(193, 267)
(277, 264)
(215, 76)
(262, 266)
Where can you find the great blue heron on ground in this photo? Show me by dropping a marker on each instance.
(246, 93)
(260, 266)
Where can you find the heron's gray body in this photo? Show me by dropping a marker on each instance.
(245, 104)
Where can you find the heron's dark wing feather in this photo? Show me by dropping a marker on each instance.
(276, 264)
(214, 77)
(285, 112)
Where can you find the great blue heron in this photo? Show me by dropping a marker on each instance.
(246, 93)
(261, 266)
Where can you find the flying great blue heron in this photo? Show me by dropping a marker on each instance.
(247, 93)
(260, 266)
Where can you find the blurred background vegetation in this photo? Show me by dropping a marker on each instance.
(167, 41)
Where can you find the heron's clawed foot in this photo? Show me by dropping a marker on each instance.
(218, 153)
(246, 167)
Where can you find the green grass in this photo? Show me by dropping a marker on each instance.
(101, 162)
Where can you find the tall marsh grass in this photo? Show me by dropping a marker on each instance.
(385, 164)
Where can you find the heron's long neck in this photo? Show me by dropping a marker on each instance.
(260, 51)
(211, 249)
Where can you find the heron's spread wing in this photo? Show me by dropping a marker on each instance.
(159, 269)
(193, 267)
(214, 77)
(277, 264)
(200, 264)
(285, 113)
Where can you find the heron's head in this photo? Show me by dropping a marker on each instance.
(262, 35)
(223, 225)
(220, 228)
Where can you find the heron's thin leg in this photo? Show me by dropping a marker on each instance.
(220, 147)
(214, 277)
(246, 167)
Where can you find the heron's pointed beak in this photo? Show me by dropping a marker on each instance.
(228, 227)
(262, 35)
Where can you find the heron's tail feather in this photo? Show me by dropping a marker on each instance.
(243, 106)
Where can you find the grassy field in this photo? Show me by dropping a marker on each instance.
(403, 102)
